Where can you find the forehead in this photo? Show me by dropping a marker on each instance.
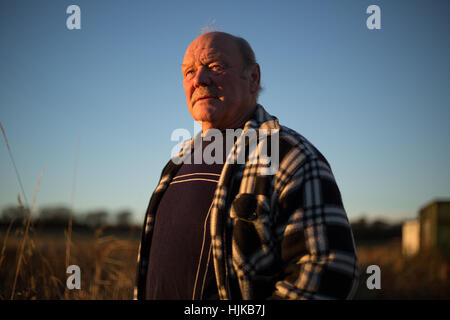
(208, 47)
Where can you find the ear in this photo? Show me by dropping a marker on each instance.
(254, 77)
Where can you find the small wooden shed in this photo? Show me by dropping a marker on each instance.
(434, 221)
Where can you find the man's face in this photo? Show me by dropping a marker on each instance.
(217, 92)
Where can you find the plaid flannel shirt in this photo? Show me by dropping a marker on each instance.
(280, 236)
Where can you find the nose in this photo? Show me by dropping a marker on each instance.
(202, 78)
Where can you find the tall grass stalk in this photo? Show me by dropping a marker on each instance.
(2, 254)
(25, 236)
(14, 165)
(72, 201)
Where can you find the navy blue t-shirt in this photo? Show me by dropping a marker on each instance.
(181, 230)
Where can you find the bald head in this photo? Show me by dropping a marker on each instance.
(244, 48)
(221, 80)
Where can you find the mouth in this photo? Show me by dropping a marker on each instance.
(205, 98)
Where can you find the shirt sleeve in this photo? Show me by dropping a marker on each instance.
(316, 241)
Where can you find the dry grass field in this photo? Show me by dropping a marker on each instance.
(108, 265)
(424, 276)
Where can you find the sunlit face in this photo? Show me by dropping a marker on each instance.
(217, 91)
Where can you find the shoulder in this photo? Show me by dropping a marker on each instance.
(296, 149)
(301, 165)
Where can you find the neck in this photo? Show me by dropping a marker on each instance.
(235, 124)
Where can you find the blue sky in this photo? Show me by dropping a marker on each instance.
(374, 102)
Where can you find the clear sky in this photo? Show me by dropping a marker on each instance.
(374, 102)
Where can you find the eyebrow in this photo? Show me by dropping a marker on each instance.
(207, 59)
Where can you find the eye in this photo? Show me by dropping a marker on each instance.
(216, 68)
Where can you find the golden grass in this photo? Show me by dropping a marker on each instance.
(107, 266)
(25, 237)
(424, 276)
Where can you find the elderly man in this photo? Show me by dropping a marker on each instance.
(229, 230)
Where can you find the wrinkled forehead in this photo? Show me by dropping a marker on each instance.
(207, 47)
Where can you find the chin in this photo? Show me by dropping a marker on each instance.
(205, 112)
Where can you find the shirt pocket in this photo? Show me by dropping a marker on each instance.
(250, 207)
(254, 245)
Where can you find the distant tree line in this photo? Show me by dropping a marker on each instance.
(375, 232)
(57, 218)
